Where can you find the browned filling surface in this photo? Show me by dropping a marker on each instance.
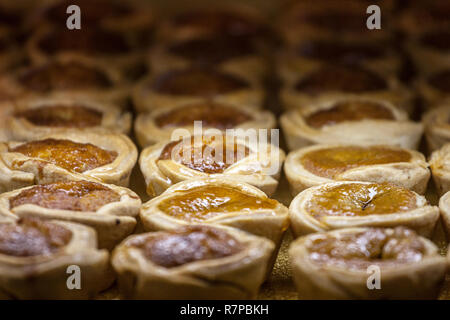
(212, 115)
(64, 76)
(439, 40)
(213, 50)
(372, 246)
(70, 195)
(75, 116)
(32, 237)
(198, 82)
(441, 81)
(188, 244)
(341, 78)
(73, 156)
(356, 200)
(206, 155)
(85, 40)
(330, 162)
(206, 202)
(348, 111)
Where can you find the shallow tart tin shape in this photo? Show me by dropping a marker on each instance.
(350, 204)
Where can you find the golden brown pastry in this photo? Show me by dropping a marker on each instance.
(435, 88)
(105, 157)
(160, 124)
(339, 264)
(361, 121)
(320, 164)
(109, 209)
(350, 204)
(195, 84)
(192, 262)
(45, 251)
(444, 206)
(30, 118)
(219, 156)
(440, 168)
(437, 127)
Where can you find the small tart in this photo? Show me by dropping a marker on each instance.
(160, 124)
(72, 155)
(435, 88)
(218, 156)
(214, 201)
(444, 206)
(43, 251)
(440, 168)
(359, 120)
(316, 165)
(437, 126)
(195, 84)
(349, 204)
(30, 118)
(338, 264)
(109, 209)
(192, 262)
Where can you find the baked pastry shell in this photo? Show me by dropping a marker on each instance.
(431, 97)
(444, 206)
(437, 129)
(439, 170)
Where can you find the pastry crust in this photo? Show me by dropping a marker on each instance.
(422, 218)
(148, 132)
(437, 129)
(237, 276)
(264, 222)
(444, 206)
(112, 221)
(49, 272)
(20, 128)
(399, 280)
(260, 168)
(18, 170)
(412, 174)
(248, 92)
(434, 89)
(440, 168)
(398, 132)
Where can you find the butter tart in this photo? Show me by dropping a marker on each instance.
(108, 158)
(337, 264)
(444, 206)
(316, 84)
(434, 89)
(195, 84)
(320, 164)
(440, 168)
(31, 118)
(437, 126)
(349, 204)
(35, 256)
(218, 156)
(213, 201)
(361, 121)
(109, 209)
(160, 124)
(192, 262)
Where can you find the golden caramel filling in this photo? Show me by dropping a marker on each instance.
(441, 81)
(206, 202)
(341, 78)
(75, 116)
(212, 115)
(373, 246)
(32, 237)
(198, 82)
(64, 76)
(348, 111)
(355, 199)
(330, 162)
(188, 244)
(71, 195)
(439, 40)
(73, 156)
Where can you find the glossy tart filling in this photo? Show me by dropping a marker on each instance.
(32, 237)
(75, 116)
(198, 82)
(207, 155)
(341, 78)
(70, 195)
(186, 245)
(212, 115)
(348, 111)
(439, 40)
(64, 76)
(362, 249)
(72, 156)
(358, 200)
(330, 162)
(441, 81)
(206, 202)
